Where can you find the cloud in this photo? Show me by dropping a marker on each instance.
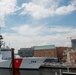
(66, 9)
(7, 7)
(40, 8)
(27, 36)
(27, 30)
(47, 8)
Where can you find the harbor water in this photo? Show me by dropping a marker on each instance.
(42, 71)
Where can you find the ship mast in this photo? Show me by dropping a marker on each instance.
(0, 38)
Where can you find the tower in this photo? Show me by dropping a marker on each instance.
(73, 41)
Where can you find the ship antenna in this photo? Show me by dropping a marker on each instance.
(0, 38)
(0, 30)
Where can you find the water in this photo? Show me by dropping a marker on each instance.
(34, 72)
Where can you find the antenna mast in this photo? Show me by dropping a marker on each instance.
(0, 38)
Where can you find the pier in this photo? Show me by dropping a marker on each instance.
(58, 65)
(68, 73)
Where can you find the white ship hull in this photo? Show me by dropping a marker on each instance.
(23, 63)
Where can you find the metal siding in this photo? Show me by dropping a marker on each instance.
(44, 47)
(74, 46)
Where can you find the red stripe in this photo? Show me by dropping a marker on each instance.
(17, 62)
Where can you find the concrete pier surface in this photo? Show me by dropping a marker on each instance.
(68, 73)
(57, 65)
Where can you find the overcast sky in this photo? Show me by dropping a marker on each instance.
(26, 23)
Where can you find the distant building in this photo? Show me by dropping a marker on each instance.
(49, 51)
(65, 54)
(26, 52)
(60, 51)
(71, 57)
(73, 41)
(45, 51)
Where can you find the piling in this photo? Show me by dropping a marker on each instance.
(12, 55)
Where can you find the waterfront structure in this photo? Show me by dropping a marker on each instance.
(60, 51)
(45, 51)
(73, 43)
(70, 53)
(26, 52)
(39, 51)
(71, 57)
(50, 51)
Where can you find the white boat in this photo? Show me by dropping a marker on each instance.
(19, 62)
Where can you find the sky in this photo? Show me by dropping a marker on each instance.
(27, 23)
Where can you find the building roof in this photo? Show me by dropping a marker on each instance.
(44, 47)
(26, 49)
(52, 58)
